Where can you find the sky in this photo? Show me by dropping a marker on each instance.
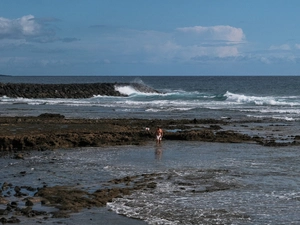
(149, 37)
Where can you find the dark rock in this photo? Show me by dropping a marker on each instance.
(3, 212)
(5, 186)
(151, 185)
(81, 90)
(57, 90)
(51, 115)
(19, 156)
(60, 214)
(17, 189)
(14, 204)
(29, 203)
(29, 188)
(215, 127)
(13, 220)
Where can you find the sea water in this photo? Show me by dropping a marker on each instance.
(258, 185)
(179, 97)
(200, 183)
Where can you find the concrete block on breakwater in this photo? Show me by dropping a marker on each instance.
(82, 90)
(57, 90)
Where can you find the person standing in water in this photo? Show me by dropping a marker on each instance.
(159, 134)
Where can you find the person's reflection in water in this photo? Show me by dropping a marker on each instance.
(158, 151)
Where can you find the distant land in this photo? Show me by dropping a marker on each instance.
(1, 75)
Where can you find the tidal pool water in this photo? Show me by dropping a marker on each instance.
(197, 183)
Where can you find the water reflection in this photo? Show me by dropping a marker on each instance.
(158, 151)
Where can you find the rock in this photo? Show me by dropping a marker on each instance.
(53, 131)
(5, 186)
(51, 116)
(60, 214)
(13, 220)
(57, 90)
(29, 203)
(151, 185)
(17, 189)
(3, 201)
(3, 212)
(14, 204)
(19, 156)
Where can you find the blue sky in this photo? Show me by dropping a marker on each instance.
(143, 37)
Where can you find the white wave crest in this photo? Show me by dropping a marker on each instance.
(259, 100)
(126, 90)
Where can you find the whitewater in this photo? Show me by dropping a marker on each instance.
(178, 97)
(197, 182)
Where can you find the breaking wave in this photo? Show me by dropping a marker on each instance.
(142, 98)
(263, 100)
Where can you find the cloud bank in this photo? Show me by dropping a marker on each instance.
(36, 42)
(23, 27)
(184, 44)
(221, 33)
(30, 29)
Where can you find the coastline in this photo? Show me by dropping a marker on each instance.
(52, 131)
(19, 135)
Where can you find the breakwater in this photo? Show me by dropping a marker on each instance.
(80, 90)
(87, 90)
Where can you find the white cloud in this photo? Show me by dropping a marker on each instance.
(19, 28)
(222, 33)
(265, 60)
(284, 47)
(160, 47)
(31, 29)
(106, 61)
(297, 46)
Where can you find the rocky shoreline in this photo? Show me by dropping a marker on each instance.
(19, 135)
(52, 131)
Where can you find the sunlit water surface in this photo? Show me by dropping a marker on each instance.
(199, 183)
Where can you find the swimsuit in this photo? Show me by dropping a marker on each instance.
(158, 137)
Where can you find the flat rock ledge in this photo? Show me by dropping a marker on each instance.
(53, 131)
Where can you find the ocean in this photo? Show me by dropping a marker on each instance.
(180, 97)
(197, 182)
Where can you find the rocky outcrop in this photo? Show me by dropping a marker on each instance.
(66, 199)
(52, 131)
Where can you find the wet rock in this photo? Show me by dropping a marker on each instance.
(17, 189)
(3, 201)
(6, 186)
(19, 156)
(45, 202)
(215, 127)
(82, 90)
(3, 220)
(13, 204)
(3, 212)
(60, 214)
(51, 116)
(52, 131)
(151, 185)
(29, 203)
(10, 220)
(28, 188)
